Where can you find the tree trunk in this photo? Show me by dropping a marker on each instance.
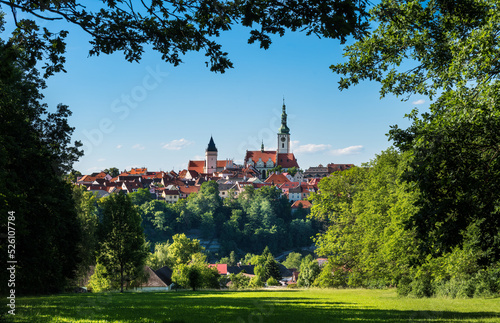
(121, 279)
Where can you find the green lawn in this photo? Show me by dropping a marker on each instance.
(281, 305)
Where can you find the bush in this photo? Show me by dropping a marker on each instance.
(456, 288)
(255, 282)
(421, 286)
(355, 279)
(331, 277)
(239, 281)
(100, 280)
(272, 282)
(404, 286)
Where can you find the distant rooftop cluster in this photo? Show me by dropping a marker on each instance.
(260, 168)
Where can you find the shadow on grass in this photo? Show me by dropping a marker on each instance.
(220, 306)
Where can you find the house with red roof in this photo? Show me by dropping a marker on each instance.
(305, 204)
(277, 179)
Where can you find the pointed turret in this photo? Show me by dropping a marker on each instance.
(211, 145)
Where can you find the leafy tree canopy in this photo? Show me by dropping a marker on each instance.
(122, 245)
(174, 28)
(445, 50)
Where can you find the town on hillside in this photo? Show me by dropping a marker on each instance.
(261, 168)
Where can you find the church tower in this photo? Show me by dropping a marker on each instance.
(283, 134)
(210, 158)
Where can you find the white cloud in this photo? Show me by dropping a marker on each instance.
(418, 102)
(308, 148)
(93, 170)
(119, 146)
(101, 159)
(351, 150)
(177, 144)
(138, 147)
(311, 148)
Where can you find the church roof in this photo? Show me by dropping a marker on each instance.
(254, 155)
(287, 160)
(211, 145)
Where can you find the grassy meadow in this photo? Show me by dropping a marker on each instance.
(278, 305)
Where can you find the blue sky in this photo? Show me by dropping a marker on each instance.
(155, 115)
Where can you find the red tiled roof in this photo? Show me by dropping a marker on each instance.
(287, 160)
(277, 179)
(87, 178)
(222, 268)
(196, 165)
(264, 155)
(305, 204)
(189, 189)
(138, 171)
(222, 163)
(97, 188)
(101, 175)
(289, 185)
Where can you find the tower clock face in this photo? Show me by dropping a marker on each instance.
(283, 139)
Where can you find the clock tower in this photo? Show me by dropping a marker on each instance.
(283, 134)
(210, 158)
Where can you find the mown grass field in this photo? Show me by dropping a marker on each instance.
(313, 306)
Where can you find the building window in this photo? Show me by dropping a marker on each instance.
(282, 145)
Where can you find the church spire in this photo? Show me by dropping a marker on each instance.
(284, 128)
(262, 146)
(211, 145)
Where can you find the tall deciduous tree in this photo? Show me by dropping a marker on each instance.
(445, 50)
(122, 246)
(182, 248)
(86, 209)
(174, 28)
(35, 153)
(366, 230)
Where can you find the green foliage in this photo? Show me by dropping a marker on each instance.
(453, 149)
(309, 270)
(271, 269)
(122, 245)
(196, 273)
(239, 281)
(181, 250)
(112, 171)
(160, 257)
(293, 260)
(158, 25)
(256, 282)
(293, 170)
(332, 276)
(272, 282)
(141, 196)
(86, 209)
(73, 176)
(35, 154)
(101, 281)
(366, 209)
